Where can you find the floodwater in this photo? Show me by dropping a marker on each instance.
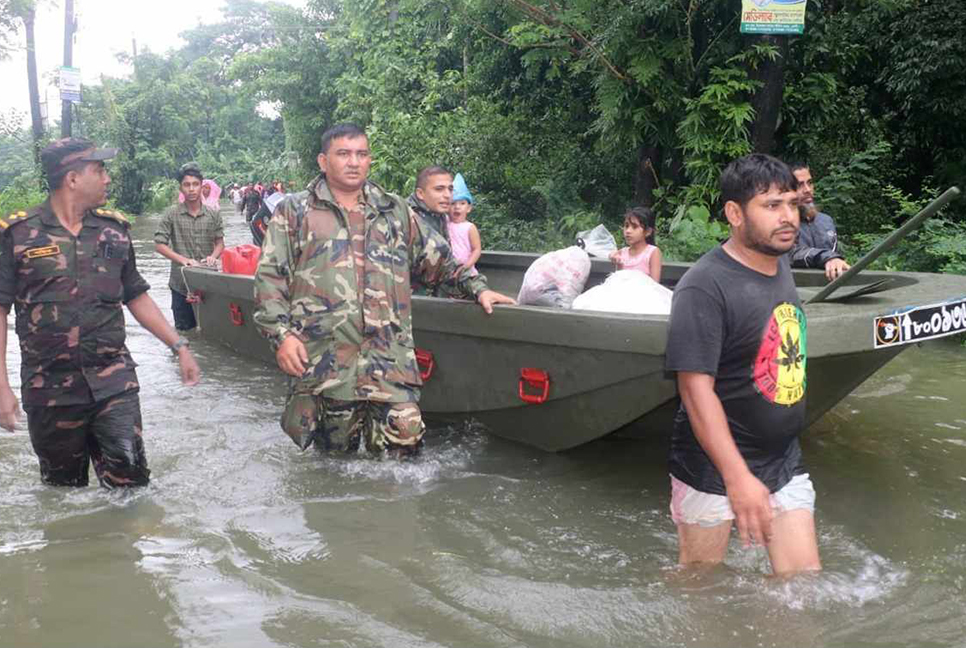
(240, 540)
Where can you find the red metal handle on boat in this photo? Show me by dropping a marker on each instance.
(426, 363)
(535, 379)
(235, 314)
(194, 297)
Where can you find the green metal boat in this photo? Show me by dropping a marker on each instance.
(556, 379)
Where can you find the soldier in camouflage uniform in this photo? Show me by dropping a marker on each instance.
(431, 202)
(432, 198)
(333, 296)
(68, 266)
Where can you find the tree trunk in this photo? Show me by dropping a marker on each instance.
(646, 178)
(36, 119)
(65, 110)
(767, 101)
(466, 73)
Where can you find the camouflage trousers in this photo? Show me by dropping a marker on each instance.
(329, 424)
(68, 438)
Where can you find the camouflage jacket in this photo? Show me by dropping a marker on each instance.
(438, 221)
(68, 293)
(359, 340)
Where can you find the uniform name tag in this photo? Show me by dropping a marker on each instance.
(36, 253)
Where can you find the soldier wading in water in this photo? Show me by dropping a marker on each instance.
(333, 296)
(68, 267)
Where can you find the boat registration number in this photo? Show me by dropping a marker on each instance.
(920, 323)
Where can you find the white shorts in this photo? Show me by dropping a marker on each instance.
(690, 506)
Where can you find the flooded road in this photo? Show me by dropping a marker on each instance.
(241, 540)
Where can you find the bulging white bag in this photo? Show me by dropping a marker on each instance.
(627, 291)
(598, 242)
(555, 278)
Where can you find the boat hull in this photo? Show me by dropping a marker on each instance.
(605, 370)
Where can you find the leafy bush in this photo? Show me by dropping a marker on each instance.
(939, 245)
(691, 233)
(21, 194)
(160, 195)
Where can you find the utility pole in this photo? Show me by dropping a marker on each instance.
(69, 27)
(134, 52)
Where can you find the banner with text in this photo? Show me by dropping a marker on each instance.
(772, 16)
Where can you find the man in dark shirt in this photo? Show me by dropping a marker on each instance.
(817, 243)
(737, 342)
(68, 266)
(252, 202)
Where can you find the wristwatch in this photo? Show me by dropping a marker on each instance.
(181, 342)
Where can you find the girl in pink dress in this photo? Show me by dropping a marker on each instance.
(640, 253)
(464, 238)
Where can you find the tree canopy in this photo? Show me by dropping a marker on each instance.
(562, 113)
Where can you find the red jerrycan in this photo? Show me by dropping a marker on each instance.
(240, 259)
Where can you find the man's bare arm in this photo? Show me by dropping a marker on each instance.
(9, 406)
(216, 253)
(748, 496)
(168, 253)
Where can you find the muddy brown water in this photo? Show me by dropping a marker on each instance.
(241, 540)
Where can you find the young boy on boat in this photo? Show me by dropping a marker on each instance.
(641, 253)
(464, 238)
(737, 342)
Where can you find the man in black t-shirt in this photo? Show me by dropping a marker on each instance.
(737, 342)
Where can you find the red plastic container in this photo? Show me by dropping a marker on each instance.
(241, 259)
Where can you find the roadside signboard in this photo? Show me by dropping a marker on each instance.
(70, 84)
(772, 16)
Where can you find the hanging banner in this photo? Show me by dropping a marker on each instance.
(70, 84)
(772, 16)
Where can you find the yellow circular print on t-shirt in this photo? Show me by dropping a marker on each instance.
(779, 371)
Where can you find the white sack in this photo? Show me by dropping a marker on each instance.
(555, 278)
(627, 291)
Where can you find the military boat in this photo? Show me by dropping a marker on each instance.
(556, 379)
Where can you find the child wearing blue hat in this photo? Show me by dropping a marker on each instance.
(463, 235)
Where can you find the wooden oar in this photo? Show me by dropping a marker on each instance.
(948, 196)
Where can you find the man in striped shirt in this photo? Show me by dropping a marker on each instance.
(190, 234)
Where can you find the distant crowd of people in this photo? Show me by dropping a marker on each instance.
(247, 198)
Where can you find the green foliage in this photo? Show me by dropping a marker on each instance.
(184, 106)
(16, 154)
(714, 130)
(854, 190)
(559, 114)
(160, 195)
(520, 235)
(22, 193)
(691, 233)
(939, 245)
(11, 15)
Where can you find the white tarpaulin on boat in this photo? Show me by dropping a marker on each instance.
(627, 291)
